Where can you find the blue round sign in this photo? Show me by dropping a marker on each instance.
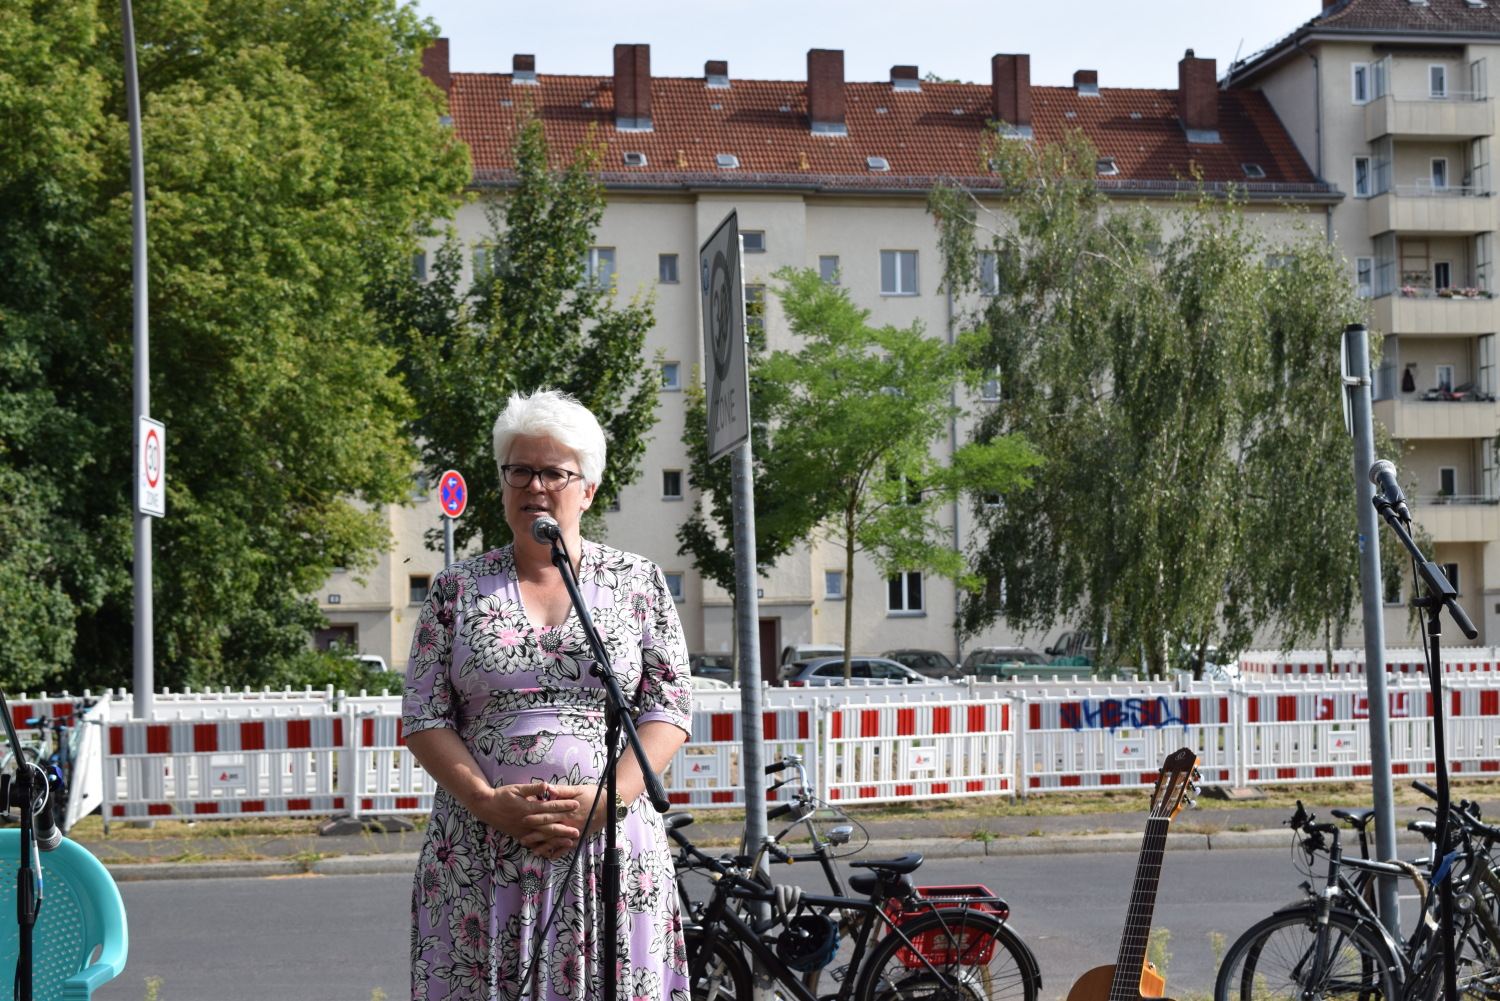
(453, 493)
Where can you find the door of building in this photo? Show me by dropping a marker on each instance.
(770, 644)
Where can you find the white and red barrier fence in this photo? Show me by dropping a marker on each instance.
(314, 754)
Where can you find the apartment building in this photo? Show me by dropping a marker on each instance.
(829, 174)
(1390, 101)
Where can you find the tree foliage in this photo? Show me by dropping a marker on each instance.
(536, 318)
(1179, 372)
(855, 415)
(286, 148)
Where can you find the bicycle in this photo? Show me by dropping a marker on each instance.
(955, 948)
(53, 750)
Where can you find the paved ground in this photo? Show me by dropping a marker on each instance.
(1206, 828)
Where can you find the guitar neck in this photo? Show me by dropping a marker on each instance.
(1137, 935)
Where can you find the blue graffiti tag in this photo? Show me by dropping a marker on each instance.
(1114, 714)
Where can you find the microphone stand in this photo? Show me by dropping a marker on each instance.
(1440, 594)
(28, 902)
(616, 718)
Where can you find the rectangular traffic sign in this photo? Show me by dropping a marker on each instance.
(726, 374)
(151, 467)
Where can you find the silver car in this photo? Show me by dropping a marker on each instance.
(822, 671)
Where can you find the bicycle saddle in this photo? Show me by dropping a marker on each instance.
(676, 819)
(904, 864)
(1359, 818)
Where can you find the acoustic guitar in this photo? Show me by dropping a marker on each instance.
(1132, 977)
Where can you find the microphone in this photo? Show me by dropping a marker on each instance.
(48, 837)
(544, 530)
(1383, 475)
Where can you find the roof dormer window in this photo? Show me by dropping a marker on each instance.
(1253, 170)
(727, 161)
(877, 163)
(1106, 166)
(634, 159)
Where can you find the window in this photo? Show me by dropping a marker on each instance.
(633, 159)
(828, 269)
(1106, 166)
(1445, 378)
(674, 585)
(417, 584)
(666, 269)
(755, 307)
(671, 484)
(833, 585)
(484, 262)
(1439, 173)
(754, 241)
(1362, 177)
(904, 593)
(671, 378)
(1287, 261)
(1253, 171)
(989, 389)
(1364, 276)
(877, 164)
(1437, 81)
(898, 272)
(613, 505)
(599, 267)
(1442, 274)
(1450, 570)
(1447, 481)
(419, 266)
(989, 273)
(992, 501)
(418, 486)
(727, 161)
(1361, 83)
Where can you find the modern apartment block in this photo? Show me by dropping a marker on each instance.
(1390, 101)
(832, 175)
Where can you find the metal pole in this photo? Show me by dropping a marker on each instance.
(747, 628)
(1357, 350)
(143, 677)
(447, 541)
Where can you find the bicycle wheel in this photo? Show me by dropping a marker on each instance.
(1277, 960)
(725, 976)
(973, 957)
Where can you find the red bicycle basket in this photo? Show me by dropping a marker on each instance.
(942, 948)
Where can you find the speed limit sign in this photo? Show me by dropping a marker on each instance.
(151, 468)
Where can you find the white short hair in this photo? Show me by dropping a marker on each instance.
(550, 413)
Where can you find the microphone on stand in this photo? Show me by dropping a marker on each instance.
(48, 837)
(1383, 475)
(545, 530)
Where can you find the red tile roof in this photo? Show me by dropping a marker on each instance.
(923, 135)
(1446, 16)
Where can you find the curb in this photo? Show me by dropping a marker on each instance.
(1011, 847)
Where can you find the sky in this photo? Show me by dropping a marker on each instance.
(1130, 44)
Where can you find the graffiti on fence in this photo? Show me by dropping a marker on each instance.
(1121, 714)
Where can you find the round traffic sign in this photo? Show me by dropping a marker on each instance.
(453, 493)
(153, 459)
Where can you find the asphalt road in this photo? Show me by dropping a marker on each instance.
(343, 938)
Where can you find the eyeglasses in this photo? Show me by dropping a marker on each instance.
(552, 478)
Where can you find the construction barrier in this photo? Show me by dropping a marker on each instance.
(377, 775)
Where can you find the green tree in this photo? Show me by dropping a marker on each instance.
(540, 314)
(1179, 373)
(855, 414)
(287, 147)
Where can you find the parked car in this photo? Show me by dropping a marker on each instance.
(712, 665)
(700, 683)
(1074, 643)
(930, 663)
(370, 661)
(807, 651)
(1006, 662)
(822, 671)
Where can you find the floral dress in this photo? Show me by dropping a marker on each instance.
(485, 910)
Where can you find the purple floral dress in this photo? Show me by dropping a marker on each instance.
(485, 910)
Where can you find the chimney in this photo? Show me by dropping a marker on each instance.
(1086, 82)
(1010, 93)
(523, 70)
(633, 88)
(435, 64)
(1198, 98)
(716, 73)
(825, 92)
(905, 78)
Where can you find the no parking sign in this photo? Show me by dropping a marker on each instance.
(453, 493)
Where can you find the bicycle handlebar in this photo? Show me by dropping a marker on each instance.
(776, 766)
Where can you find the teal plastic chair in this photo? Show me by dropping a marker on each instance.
(80, 939)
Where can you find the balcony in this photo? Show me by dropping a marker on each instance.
(1412, 418)
(1458, 116)
(1421, 208)
(1459, 519)
(1425, 312)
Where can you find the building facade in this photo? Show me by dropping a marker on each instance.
(833, 175)
(1390, 101)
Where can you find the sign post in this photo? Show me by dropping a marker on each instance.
(728, 383)
(453, 495)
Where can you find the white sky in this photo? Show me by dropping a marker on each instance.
(1131, 44)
